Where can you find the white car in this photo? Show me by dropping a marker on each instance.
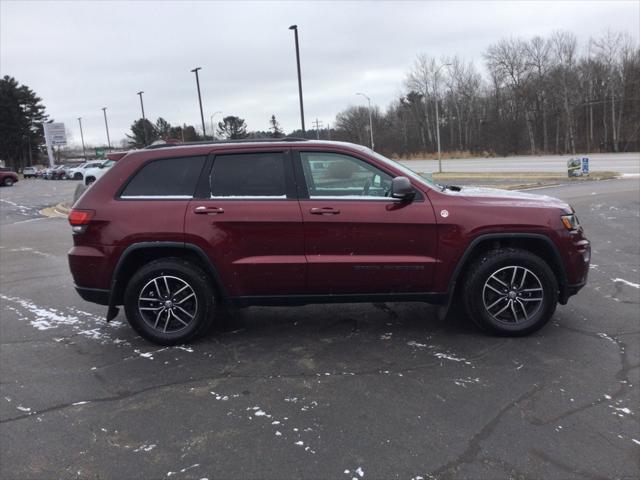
(78, 173)
(94, 173)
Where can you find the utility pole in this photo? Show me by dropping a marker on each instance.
(370, 119)
(295, 31)
(195, 70)
(106, 126)
(144, 119)
(84, 152)
(435, 91)
(318, 124)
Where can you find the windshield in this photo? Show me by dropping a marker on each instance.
(406, 170)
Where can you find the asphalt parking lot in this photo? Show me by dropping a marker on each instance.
(368, 391)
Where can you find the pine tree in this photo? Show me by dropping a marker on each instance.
(21, 118)
(232, 128)
(276, 131)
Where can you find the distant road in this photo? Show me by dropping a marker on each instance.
(616, 162)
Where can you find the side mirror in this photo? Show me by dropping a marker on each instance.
(401, 188)
(101, 166)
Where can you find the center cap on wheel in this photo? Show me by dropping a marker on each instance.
(512, 295)
(168, 304)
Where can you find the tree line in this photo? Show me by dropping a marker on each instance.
(542, 95)
(143, 132)
(539, 95)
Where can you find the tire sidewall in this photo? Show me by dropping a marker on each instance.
(491, 264)
(8, 182)
(187, 272)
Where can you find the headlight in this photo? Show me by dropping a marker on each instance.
(570, 222)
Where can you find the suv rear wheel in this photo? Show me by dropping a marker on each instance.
(510, 292)
(169, 301)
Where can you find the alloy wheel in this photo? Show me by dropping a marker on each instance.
(512, 294)
(167, 304)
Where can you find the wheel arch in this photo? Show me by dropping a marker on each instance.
(538, 244)
(139, 254)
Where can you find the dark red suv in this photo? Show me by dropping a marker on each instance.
(173, 232)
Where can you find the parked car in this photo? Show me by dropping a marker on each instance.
(59, 173)
(94, 173)
(7, 177)
(77, 173)
(172, 232)
(30, 172)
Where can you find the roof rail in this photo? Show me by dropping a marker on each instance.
(221, 142)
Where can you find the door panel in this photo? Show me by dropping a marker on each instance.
(357, 238)
(250, 224)
(369, 246)
(257, 246)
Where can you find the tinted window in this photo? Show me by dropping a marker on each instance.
(169, 177)
(248, 175)
(335, 175)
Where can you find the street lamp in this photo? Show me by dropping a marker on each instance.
(195, 70)
(144, 119)
(295, 31)
(213, 130)
(370, 121)
(435, 91)
(106, 125)
(84, 152)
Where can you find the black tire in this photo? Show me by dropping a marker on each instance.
(500, 305)
(77, 176)
(89, 180)
(167, 330)
(8, 182)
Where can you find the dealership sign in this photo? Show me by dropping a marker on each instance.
(56, 133)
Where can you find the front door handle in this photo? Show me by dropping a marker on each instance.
(324, 211)
(202, 210)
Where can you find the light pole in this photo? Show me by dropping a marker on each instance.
(435, 92)
(195, 70)
(106, 125)
(84, 152)
(213, 130)
(295, 31)
(144, 119)
(370, 120)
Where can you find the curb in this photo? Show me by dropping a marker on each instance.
(60, 210)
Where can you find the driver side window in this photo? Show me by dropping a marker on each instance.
(332, 175)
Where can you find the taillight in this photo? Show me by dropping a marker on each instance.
(79, 219)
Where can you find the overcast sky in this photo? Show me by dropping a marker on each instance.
(81, 56)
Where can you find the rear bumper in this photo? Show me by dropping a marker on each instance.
(94, 295)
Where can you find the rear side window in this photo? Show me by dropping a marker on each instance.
(249, 175)
(166, 178)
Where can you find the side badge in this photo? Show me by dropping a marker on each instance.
(444, 213)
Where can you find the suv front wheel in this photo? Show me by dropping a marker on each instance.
(510, 292)
(169, 301)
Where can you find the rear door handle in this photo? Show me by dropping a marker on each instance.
(324, 211)
(202, 210)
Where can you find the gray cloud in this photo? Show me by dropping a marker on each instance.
(81, 56)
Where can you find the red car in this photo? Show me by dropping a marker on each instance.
(7, 177)
(171, 232)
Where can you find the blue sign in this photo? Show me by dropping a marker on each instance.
(585, 165)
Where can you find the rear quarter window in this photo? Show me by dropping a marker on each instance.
(165, 178)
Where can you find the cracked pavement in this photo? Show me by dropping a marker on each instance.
(322, 391)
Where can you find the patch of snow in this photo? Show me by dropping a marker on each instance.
(23, 409)
(145, 448)
(626, 282)
(416, 344)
